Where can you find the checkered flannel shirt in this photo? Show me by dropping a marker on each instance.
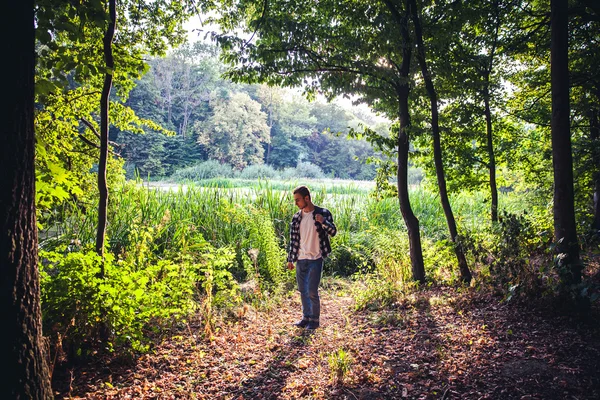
(326, 229)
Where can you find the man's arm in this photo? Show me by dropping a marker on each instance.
(294, 245)
(328, 224)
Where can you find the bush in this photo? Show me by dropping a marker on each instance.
(259, 171)
(82, 309)
(309, 170)
(375, 292)
(303, 170)
(514, 254)
(204, 170)
(349, 254)
(268, 258)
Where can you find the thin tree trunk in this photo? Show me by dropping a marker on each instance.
(595, 139)
(187, 109)
(465, 273)
(488, 115)
(22, 349)
(565, 229)
(490, 149)
(411, 221)
(104, 105)
(270, 126)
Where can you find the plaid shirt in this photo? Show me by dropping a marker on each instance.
(326, 229)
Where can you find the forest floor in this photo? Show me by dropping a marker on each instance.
(437, 343)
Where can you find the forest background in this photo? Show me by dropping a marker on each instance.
(462, 121)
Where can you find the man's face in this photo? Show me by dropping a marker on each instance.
(300, 201)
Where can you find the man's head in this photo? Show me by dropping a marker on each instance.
(302, 197)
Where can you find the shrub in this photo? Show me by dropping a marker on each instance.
(303, 170)
(309, 170)
(349, 254)
(204, 170)
(268, 258)
(374, 292)
(289, 173)
(258, 171)
(514, 254)
(81, 308)
(139, 291)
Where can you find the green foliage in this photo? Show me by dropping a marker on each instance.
(514, 253)
(383, 188)
(70, 74)
(374, 293)
(79, 306)
(70, 39)
(221, 290)
(204, 170)
(340, 364)
(184, 90)
(259, 171)
(66, 151)
(391, 256)
(269, 256)
(350, 254)
(304, 170)
(235, 132)
(440, 257)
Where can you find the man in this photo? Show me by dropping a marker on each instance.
(309, 244)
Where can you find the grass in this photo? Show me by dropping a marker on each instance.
(233, 213)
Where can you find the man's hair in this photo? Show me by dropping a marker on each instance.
(303, 191)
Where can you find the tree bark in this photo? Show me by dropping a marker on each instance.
(490, 149)
(488, 114)
(565, 229)
(595, 139)
(465, 273)
(411, 221)
(22, 349)
(104, 106)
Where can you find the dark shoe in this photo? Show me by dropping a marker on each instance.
(302, 323)
(312, 325)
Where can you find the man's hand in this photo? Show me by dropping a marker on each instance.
(290, 266)
(319, 218)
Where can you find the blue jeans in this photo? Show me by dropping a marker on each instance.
(308, 277)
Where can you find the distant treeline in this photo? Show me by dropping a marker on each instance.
(236, 124)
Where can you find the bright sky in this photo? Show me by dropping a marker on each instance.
(194, 25)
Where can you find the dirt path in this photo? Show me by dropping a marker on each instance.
(438, 344)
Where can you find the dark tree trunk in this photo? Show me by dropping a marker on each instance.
(488, 113)
(25, 374)
(565, 229)
(104, 104)
(465, 273)
(490, 149)
(595, 139)
(411, 221)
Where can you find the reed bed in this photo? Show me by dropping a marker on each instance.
(224, 212)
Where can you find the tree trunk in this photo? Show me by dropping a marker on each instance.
(411, 221)
(270, 127)
(595, 139)
(490, 149)
(22, 349)
(188, 93)
(565, 229)
(104, 104)
(465, 273)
